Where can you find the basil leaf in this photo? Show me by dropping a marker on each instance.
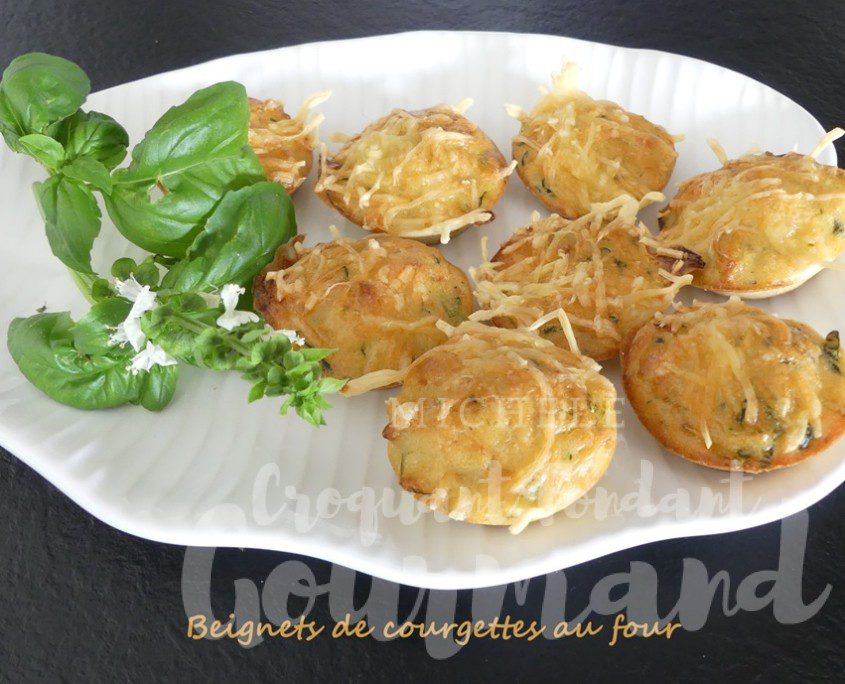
(192, 156)
(92, 332)
(158, 387)
(10, 128)
(100, 289)
(147, 273)
(42, 347)
(123, 268)
(238, 240)
(72, 220)
(88, 170)
(332, 385)
(94, 135)
(43, 149)
(211, 122)
(38, 90)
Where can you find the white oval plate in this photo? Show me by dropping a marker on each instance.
(212, 470)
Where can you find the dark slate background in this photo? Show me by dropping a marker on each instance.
(82, 600)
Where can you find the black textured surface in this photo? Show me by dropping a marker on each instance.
(83, 601)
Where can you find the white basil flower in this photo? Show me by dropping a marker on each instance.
(270, 332)
(129, 331)
(293, 336)
(131, 289)
(231, 318)
(149, 356)
(143, 299)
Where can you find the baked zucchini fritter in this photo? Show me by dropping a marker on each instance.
(425, 175)
(732, 387)
(376, 300)
(500, 427)
(763, 223)
(603, 270)
(285, 145)
(573, 151)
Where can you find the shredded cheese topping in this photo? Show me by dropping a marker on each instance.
(831, 136)
(573, 151)
(561, 316)
(718, 150)
(416, 174)
(601, 276)
(372, 381)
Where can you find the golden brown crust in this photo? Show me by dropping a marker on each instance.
(426, 175)
(763, 223)
(599, 269)
(375, 300)
(500, 427)
(573, 151)
(790, 367)
(284, 145)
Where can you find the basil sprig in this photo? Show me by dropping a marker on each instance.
(40, 115)
(185, 327)
(195, 195)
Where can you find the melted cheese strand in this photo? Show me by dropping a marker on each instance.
(372, 381)
(829, 137)
(560, 314)
(718, 150)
